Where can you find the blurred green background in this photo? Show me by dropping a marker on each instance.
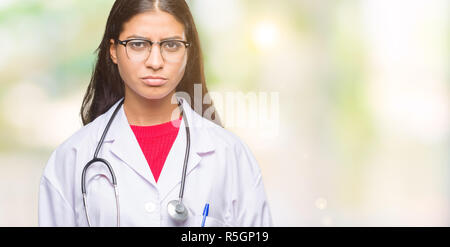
(362, 122)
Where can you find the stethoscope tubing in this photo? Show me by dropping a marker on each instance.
(95, 159)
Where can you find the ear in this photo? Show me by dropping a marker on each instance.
(113, 51)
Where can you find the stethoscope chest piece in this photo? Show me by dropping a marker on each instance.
(177, 211)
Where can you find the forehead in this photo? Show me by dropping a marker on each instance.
(153, 25)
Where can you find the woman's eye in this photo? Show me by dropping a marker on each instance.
(137, 45)
(172, 45)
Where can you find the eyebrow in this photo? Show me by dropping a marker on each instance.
(142, 37)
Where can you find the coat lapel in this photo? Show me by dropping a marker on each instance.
(127, 149)
(171, 173)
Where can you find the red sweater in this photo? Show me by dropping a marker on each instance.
(155, 142)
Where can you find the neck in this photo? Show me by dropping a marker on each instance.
(145, 112)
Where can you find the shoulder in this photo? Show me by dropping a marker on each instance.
(85, 135)
(64, 156)
(220, 136)
(225, 138)
(230, 144)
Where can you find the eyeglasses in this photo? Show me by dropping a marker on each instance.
(138, 50)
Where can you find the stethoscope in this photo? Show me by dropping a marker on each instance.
(175, 208)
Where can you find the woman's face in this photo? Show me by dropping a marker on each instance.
(155, 26)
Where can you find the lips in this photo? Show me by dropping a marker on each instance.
(154, 81)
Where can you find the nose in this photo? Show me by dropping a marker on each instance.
(155, 59)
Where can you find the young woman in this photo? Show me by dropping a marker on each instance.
(145, 157)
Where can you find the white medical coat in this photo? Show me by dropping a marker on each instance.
(221, 171)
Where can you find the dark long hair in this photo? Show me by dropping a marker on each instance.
(107, 87)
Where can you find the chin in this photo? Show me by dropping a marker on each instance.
(156, 93)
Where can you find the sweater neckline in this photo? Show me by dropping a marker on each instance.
(158, 129)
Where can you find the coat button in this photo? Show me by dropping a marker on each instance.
(150, 207)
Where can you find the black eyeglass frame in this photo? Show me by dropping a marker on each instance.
(160, 43)
(125, 42)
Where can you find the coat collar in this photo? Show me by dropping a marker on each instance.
(126, 148)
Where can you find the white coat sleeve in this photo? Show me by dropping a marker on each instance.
(54, 210)
(250, 206)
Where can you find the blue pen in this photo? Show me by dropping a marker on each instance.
(205, 213)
